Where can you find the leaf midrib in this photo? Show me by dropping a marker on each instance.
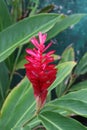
(28, 37)
(68, 108)
(24, 114)
(16, 104)
(50, 122)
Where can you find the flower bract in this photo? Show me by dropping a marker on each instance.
(40, 68)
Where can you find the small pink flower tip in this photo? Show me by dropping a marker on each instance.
(42, 37)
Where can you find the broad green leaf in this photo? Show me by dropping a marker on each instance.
(78, 86)
(21, 128)
(68, 55)
(60, 89)
(21, 32)
(20, 104)
(34, 123)
(65, 23)
(55, 121)
(4, 77)
(74, 102)
(81, 67)
(78, 95)
(64, 69)
(10, 61)
(5, 19)
(52, 108)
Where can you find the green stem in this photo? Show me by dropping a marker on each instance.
(32, 118)
(2, 94)
(14, 67)
(28, 121)
(34, 8)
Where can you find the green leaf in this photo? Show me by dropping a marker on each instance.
(21, 32)
(21, 128)
(34, 123)
(74, 102)
(20, 64)
(64, 69)
(5, 19)
(47, 9)
(65, 23)
(68, 55)
(81, 67)
(16, 9)
(34, 8)
(55, 121)
(60, 89)
(4, 77)
(19, 106)
(78, 86)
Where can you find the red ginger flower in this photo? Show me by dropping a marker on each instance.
(40, 70)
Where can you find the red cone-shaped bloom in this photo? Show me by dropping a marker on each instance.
(40, 70)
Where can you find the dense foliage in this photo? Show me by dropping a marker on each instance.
(17, 103)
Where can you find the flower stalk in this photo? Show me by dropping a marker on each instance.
(28, 121)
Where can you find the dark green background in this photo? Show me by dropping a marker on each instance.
(75, 35)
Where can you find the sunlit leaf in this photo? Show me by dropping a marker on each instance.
(78, 86)
(21, 128)
(74, 102)
(65, 23)
(18, 107)
(22, 31)
(5, 19)
(64, 69)
(4, 77)
(67, 55)
(81, 67)
(55, 121)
